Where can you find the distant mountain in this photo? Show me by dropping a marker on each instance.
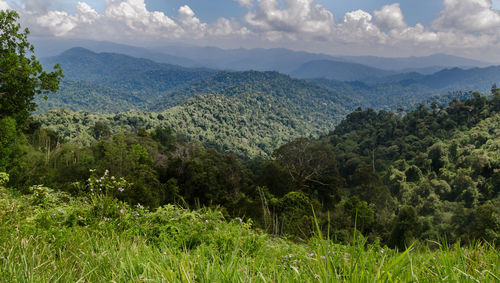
(105, 74)
(276, 59)
(52, 47)
(249, 113)
(405, 90)
(259, 59)
(110, 82)
(123, 71)
(272, 84)
(405, 64)
(286, 61)
(341, 71)
(480, 79)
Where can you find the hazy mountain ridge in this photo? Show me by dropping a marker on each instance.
(142, 84)
(336, 70)
(404, 90)
(260, 59)
(123, 71)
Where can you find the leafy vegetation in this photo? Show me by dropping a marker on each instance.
(49, 236)
(247, 113)
(428, 175)
(384, 196)
(94, 97)
(21, 76)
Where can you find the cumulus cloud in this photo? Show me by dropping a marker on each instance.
(135, 15)
(468, 16)
(297, 17)
(60, 22)
(190, 22)
(357, 26)
(4, 5)
(123, 19)
(226, 27)
(390, 17)
(462, 24)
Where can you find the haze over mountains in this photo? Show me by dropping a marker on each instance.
(276, 59)
(92, 78)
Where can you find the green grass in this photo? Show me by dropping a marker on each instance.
(56, 239)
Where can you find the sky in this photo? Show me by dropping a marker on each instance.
(469, 28)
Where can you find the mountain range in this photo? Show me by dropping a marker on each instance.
(259, 59)
(245, 112)
(91, 79)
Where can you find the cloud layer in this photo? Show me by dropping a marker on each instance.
(463, 26)
(4, 5)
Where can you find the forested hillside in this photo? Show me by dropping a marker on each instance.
(410, 89)
(247, 113)
(110, 82)
(432, 174)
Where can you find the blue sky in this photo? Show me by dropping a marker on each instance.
(468, 28)
(209, 10)
(423, 11)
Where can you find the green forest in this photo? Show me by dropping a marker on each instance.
(349, 194)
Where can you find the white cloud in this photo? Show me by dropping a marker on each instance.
(468, 16)
(85, 13)
(60, 22)
(190, 22)
(4, 5)
(135, 15)
(390, 17)
(226, 27)
(297, 17)
(467, 25)
(417, 34)
(357, 26)
(125, 20)
(245, 3)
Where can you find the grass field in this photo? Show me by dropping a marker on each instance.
(50, 237)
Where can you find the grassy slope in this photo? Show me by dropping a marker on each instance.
(51, 238)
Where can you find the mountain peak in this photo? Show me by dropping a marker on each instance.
(77, 51)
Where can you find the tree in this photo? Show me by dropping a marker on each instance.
(306, 162)
(413, 174)
(100, 130)
(405, 227)
(21, 76)
(8, 145)
(439, 156)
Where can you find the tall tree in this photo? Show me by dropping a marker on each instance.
(306, 162)
(21, 75)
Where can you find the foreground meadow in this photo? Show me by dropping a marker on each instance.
(51, 237)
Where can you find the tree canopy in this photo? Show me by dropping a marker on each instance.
(21, 75)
